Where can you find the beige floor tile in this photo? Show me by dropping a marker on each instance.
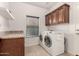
(39, 51)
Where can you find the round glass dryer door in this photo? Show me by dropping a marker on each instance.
(48, 41)
(41, 38)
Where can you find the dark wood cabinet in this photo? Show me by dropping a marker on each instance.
(48, 19)
(58, 16)
(12, 47)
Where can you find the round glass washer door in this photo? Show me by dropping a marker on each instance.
(41, 39)
(48, 41)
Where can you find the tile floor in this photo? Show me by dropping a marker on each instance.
(39, 51)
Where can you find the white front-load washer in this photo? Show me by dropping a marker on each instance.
(41, 39)
(42, 35)
(53, 43)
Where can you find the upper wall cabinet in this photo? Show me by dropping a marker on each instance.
(58, 16)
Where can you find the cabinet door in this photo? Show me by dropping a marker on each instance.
(55, 17)
(0, 45)
(48, 19)
(61, 15)
(66, 14)
(12, 47)
(52, 18)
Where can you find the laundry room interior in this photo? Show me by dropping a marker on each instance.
(39, 28)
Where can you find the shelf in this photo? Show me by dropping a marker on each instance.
(6, 13)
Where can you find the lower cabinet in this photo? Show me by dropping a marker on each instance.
(12, 47)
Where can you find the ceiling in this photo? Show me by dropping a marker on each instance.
(45, 5)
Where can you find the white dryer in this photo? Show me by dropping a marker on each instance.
(53, 43)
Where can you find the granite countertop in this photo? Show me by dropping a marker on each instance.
(9, 35)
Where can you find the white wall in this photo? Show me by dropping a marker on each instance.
(19, 11)
(4, 25)
(4, 4)
(3, 22)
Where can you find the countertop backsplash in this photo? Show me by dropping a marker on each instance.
(11, 32)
